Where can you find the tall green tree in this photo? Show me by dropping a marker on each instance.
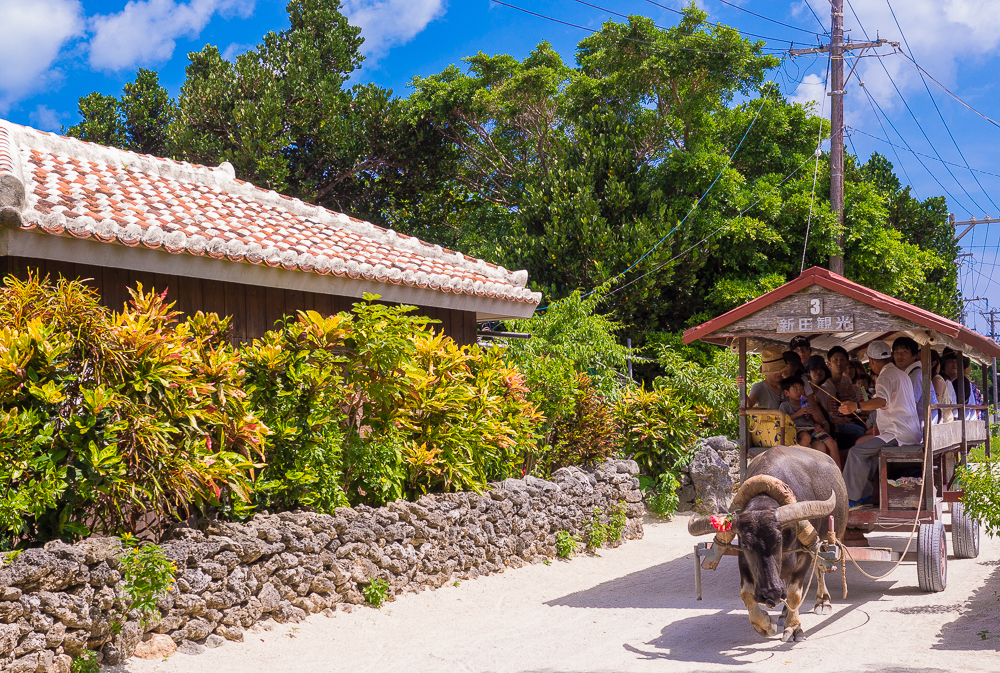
(284, 117)
(136, 121)
(662, 166)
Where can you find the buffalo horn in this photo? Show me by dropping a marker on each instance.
(808, 509)
(700, 525)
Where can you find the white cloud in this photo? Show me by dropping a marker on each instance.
(33, 35)
(45, 118)
(810, 90)
(940, 34)
(385, 23)
(235, 49)
(145, 31)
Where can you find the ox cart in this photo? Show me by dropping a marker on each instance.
(831, 310)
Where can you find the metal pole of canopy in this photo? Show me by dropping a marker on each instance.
(743, 409)
(963, 396)
(986, 414)
(925, 366)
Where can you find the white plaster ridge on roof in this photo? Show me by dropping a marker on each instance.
(12, 187)
(223, 179)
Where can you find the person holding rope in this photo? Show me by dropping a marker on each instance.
(839, 388)
(898, 423)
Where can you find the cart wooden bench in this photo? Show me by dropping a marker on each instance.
(831, 311)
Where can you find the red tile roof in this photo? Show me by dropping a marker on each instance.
(837, 283)
(78, 189)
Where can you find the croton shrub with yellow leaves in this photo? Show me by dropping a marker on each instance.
(115, 421)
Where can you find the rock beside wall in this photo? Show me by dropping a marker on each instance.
(60, 600)
(710, 481)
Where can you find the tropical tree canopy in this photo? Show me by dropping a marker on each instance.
(662, 166)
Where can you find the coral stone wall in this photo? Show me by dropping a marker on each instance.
(58, 601)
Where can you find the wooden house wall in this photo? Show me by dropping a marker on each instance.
(254, 309)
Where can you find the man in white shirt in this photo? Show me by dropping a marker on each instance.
(898, 423)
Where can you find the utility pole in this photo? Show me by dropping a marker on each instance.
(837, 123)
(837, 47)
(968, 224)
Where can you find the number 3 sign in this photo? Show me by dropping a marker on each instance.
(815, 306)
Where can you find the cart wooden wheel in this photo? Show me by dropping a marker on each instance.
(964, 532)
(932, 557)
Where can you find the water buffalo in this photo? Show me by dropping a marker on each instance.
(784, 503)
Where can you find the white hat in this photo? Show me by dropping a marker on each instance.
(879, 350)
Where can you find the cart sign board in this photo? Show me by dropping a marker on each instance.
(819, 323)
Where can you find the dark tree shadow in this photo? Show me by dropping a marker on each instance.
(725, 636)
(978, 625)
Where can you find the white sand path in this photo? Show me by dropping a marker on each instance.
(633, 609)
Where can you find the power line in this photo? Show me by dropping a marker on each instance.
(728, 222)
(763, 101)
(813, 11)
(710, 23)
(903, 140)
(623, 37)
(947, 90)
(941, 116)
(914, 116)
(819, 140)
(761, 16)
(926, 156)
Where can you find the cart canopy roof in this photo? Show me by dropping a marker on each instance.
(834, 311)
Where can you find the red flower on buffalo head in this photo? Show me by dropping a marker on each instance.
(722, 523)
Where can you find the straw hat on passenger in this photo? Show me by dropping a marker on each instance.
(771, 360)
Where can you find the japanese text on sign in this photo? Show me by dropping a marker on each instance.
(820, 323)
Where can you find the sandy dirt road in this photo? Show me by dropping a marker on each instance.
(633, 609)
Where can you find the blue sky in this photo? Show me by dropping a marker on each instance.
(55, 51)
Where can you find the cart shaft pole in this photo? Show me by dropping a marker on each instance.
(744, 442)
(697, 574)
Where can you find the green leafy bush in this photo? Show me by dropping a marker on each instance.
(147, 576)
(293, 375)
(657, 428)
(568, 339)
(566, 544)
(376, 592)
(467, 418)
(616, 526)
(597, 529)
(709, 388)
(120, 420)
(86, 662)
(661, 495)
(572, 332)
(586, 436)
(981, 482)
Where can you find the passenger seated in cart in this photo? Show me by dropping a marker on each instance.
(837, 389)
(801, 346)
(944, 389)
(766, 394)
(898, 424)
(950, 370)
(906, 357)
(808, 431)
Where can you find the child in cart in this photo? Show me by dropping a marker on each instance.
(807, 434)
